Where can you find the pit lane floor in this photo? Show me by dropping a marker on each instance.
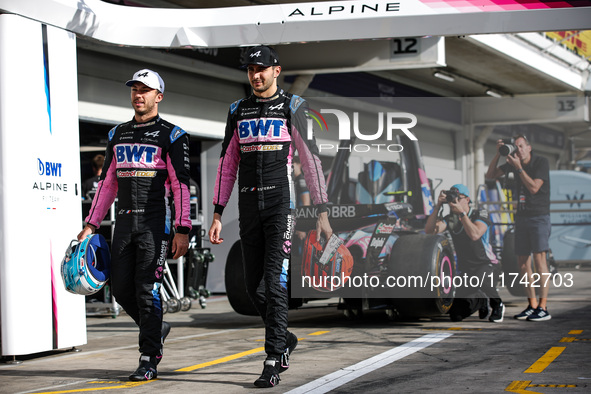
(215, 350)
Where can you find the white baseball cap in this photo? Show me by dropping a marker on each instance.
(149, 78)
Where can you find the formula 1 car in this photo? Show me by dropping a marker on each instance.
(378, 216)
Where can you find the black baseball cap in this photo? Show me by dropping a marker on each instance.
(261, 55)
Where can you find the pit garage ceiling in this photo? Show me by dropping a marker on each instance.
(474, 66)
(476, 63)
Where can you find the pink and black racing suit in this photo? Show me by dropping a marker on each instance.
(260, 140)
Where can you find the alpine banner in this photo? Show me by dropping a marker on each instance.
(301, 22)
(40, 201)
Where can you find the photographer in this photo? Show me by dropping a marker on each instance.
(469, 231)
(532, 220)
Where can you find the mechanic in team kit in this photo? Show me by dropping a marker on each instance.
(469, 229)
(89, 185)
(532, 220)
(262, 131)
(146, 159)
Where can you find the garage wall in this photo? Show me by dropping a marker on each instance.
(196, 103)
(440, 158)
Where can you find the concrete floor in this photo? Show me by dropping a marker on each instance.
(214, 350)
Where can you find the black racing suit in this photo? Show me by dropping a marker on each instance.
(260, 139)
(144, 163)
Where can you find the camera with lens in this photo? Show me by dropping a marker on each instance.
(508, 148)
(451, 195)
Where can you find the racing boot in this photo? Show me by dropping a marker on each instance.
(146, 369)
(165, 332)
(270, 375)
(292, 342)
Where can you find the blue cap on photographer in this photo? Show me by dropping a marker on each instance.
(462, 189)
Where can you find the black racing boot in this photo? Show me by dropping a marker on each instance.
(270, 375)
(146, 369)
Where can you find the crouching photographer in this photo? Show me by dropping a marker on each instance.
(469, 230)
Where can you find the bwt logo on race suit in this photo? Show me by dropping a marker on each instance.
(261, 128)
(388, 122)
(49, 169)
(135, 153)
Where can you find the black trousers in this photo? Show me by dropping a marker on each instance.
(487, 287)
(137, 267)
(265, 236)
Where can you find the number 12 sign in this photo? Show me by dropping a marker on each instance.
(417, 51)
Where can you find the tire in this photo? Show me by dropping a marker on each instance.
(510, 265)
(186, 304)
(174, 305)
(235, 284)
(426, 256)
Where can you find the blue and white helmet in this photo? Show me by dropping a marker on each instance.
(86, 265)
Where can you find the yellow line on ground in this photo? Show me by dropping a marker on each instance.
(122, 385)
(545, 360)
(319, 333)
(575, 332)
(220, 360)
(568, 339)
(520, 386)
(554, 385)
(234, 356)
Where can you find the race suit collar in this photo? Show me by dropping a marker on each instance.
(150, 122)
(277, 94)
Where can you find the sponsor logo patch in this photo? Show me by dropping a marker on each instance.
(287, 246)
(261, 128)
(129, 211)
(385, 228)
(136, 174)
(258, 148)
(135, 153)
(252, 189)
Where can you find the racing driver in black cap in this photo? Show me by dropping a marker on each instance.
(262, 132)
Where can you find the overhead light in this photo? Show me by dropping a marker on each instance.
(493, 93)
(444, 76)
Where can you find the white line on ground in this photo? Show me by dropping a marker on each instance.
(347, 374)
